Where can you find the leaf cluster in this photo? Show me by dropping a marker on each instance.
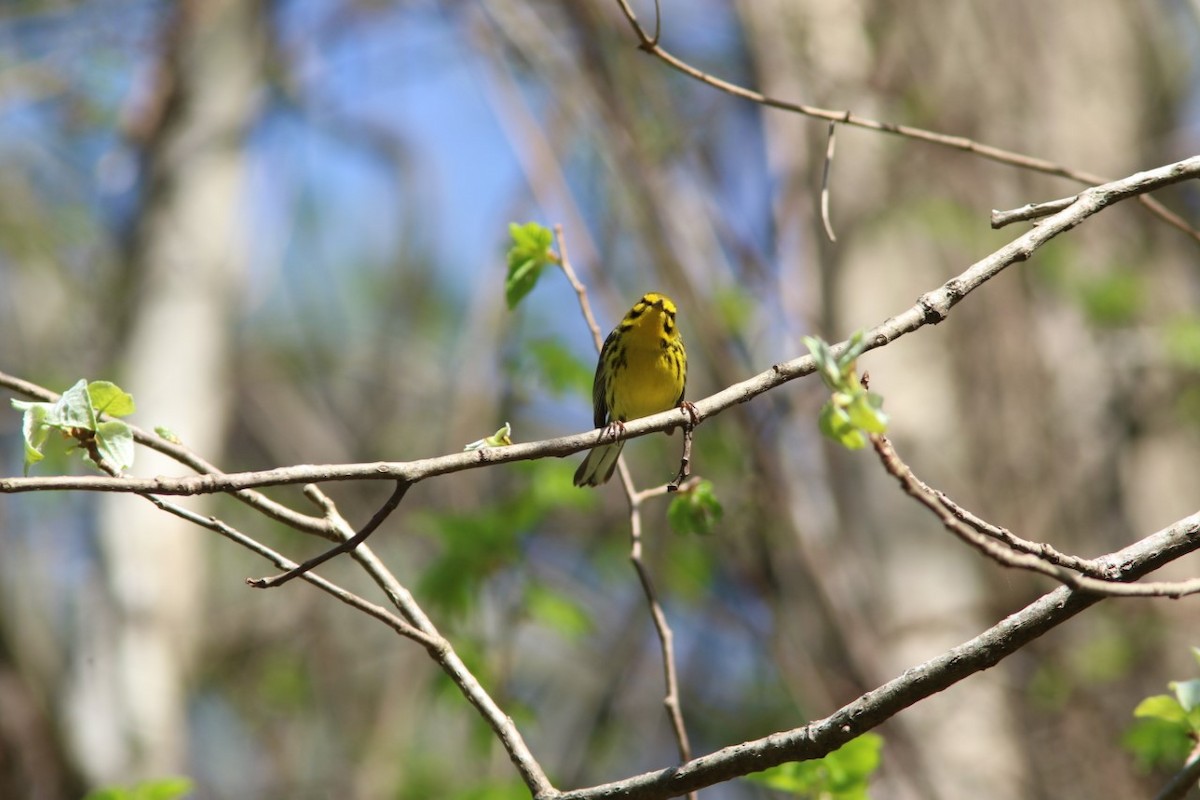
(1168, 726)
(852, 412)
(76, 415)
(529, 254)
(844, 774)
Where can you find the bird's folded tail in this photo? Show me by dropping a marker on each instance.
(599, 464)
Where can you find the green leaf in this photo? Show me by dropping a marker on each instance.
(114, 439)
(844, 774)
(167, 434)
(865, 413)
(695, 511)
(1188, 693)
(501, 438)
(108, 398)
(164, 789)
(1182, 340)
(852, 411)
(529, 253)
(74, 414)
(827, 365)
(835, 423)
(1163, 707)
(854, 349)
(1156, 742)
(35, 430)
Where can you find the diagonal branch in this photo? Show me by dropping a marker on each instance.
(930, 308)
(344, 547)
(650, 45)
(989, 648)
(1023, 558)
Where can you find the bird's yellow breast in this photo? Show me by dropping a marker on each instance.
(651, 383)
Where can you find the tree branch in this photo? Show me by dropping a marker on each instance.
(821, 737)
(344, 547)
(1027, 560)
(846, 117)
(930, 308)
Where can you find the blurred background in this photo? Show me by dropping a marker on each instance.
(281, 226)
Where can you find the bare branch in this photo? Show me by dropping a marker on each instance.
(344, 547)
(1028, 212)
(1085, 566)
(997, 154)
(829, 147)
(1111, 586)
(666, 637)
(989, 648)
(930, 308)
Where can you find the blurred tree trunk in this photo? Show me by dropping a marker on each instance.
(126, 712)
(808, 52)
(951, 392)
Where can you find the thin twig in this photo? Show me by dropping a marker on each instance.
(343, 547)
(1184, 780)
(564, 263)
(442, 653)
(234, 535)
(685, 461)
(418, 627)
(661, 626)
(1028, 212)
(666, 637)
(927, 497)
(349, 598)
(1042, 550)
(829, 147)
(997, 154)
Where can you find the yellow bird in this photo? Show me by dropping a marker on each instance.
(642, 371)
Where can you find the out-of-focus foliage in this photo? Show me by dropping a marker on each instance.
(1168, 725)
(844, 774)
(695, 509)
(163, 789)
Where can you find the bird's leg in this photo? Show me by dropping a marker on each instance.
(612, 430)
(685, 462)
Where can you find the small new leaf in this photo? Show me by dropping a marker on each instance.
(852, 412)
(501, 438)
(844, 774)
(167, 434)
(114, 441)
(529, 253)
(108, 398)
(695, 511)
(1161, 706)
(74, 414)
(1188, 693)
